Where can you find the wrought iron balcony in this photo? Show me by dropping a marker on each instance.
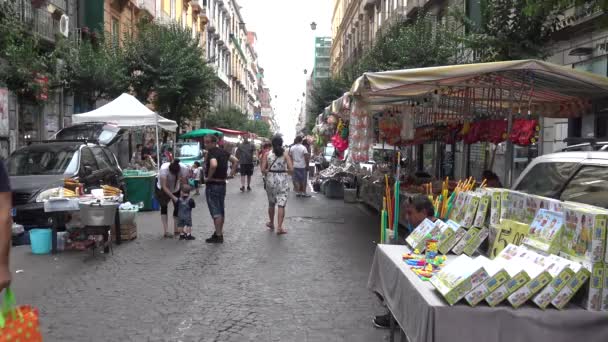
(39, 20)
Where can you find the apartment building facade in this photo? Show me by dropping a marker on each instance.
(23, 120)
(321, 69)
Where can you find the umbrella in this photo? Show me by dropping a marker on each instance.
(199, 133)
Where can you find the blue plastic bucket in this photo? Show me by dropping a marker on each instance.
(41, 241)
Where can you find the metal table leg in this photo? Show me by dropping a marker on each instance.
(54, 228)
(118, 228)
(392, 327)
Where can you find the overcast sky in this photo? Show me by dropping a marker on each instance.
(285, 48)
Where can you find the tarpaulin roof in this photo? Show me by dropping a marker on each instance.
(530, 81)
(126, 111)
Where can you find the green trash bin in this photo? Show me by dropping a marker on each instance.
(140, 189)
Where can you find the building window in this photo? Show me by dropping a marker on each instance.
(115, 31)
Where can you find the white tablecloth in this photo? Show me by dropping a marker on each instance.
(426, 317)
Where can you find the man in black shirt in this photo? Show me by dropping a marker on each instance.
(216, 168)
(5, 227)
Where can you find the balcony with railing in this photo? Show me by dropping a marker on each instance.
(39, 20)
(62, 5)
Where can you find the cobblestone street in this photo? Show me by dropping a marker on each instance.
(308, 285)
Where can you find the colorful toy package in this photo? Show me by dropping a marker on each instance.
(482, 211)
(417, 239)
(458, 207)
(605, 290)
(509, 260)
(544, 233)
(537, 266)
(496, 277)
(512, 206)
(561, 272)
(459, 277)
(584, 235)
(494, 206)
(476, 240)
(449, 237)
(462, 244)
(581, 275)
(593, 297)
(471, 210)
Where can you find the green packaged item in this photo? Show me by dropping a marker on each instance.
(459, 277)
(476, 240)
(450, 237)
(545, 230)
(496, 277)
(561, 274)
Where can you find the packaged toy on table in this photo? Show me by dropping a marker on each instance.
(605, 289)
(581, 275)
(482, 211)
(497, 276)
(561, 274)
(508, 259)
(450, 237)
(417, 239)
(537, 266)
(545, 230)
(459, 277)
(584, 235)
(593, 297)
(471, 210)
(476, 240)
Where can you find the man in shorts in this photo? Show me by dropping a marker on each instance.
(216, 168)
(245, 154)
(300, 156)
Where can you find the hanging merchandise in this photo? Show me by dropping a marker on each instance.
(390, 128)
(360, 132)
(524, 132)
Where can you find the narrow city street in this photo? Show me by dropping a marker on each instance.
(308, 285)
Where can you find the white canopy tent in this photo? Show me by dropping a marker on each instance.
(127, 111)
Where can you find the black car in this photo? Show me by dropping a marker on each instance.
(36, 171)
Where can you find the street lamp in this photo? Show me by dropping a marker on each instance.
(305, 71)
(313, 26)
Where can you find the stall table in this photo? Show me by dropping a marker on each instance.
(425, 317)
(71, 205)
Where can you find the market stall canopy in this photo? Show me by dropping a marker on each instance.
(199, 133)
(126, 111)
(533, 82)
(232, 131)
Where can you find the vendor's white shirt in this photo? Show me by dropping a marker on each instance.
(196, 173)
(172, 183)
(298, 154)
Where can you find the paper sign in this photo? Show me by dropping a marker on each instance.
(509, 232)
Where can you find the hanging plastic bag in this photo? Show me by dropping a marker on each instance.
(18, 323)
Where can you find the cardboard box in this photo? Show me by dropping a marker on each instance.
(509, 260)
(593, 297)
(584, 235)
(417, 239)
(581, 275)
(495, 206)
(605, 289)
(476, 241)
(545, 230)
(471, 210)
(459, 277)
(536, 266)
(462, 244)
(450, 237)
(496, 277)
(561, 274)
(482, 211)
(458, 207)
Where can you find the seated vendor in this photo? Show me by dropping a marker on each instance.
(419, 208)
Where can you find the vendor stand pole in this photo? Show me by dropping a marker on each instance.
(509, 145)
(157, 146)
(396, 217)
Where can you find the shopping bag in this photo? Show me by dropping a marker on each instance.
(18, 323)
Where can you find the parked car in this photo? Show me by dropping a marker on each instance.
(568, 176)
(599, 146)
(36, 171)
(189, 152)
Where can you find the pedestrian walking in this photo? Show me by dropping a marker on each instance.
(5, 228)
(276, 167)
(196, 176)
(184, 205)
(216, 166)
(171, 177)
(245, 153)
(300, 156)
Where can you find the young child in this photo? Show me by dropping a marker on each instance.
(185, 204)
(196, 176)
